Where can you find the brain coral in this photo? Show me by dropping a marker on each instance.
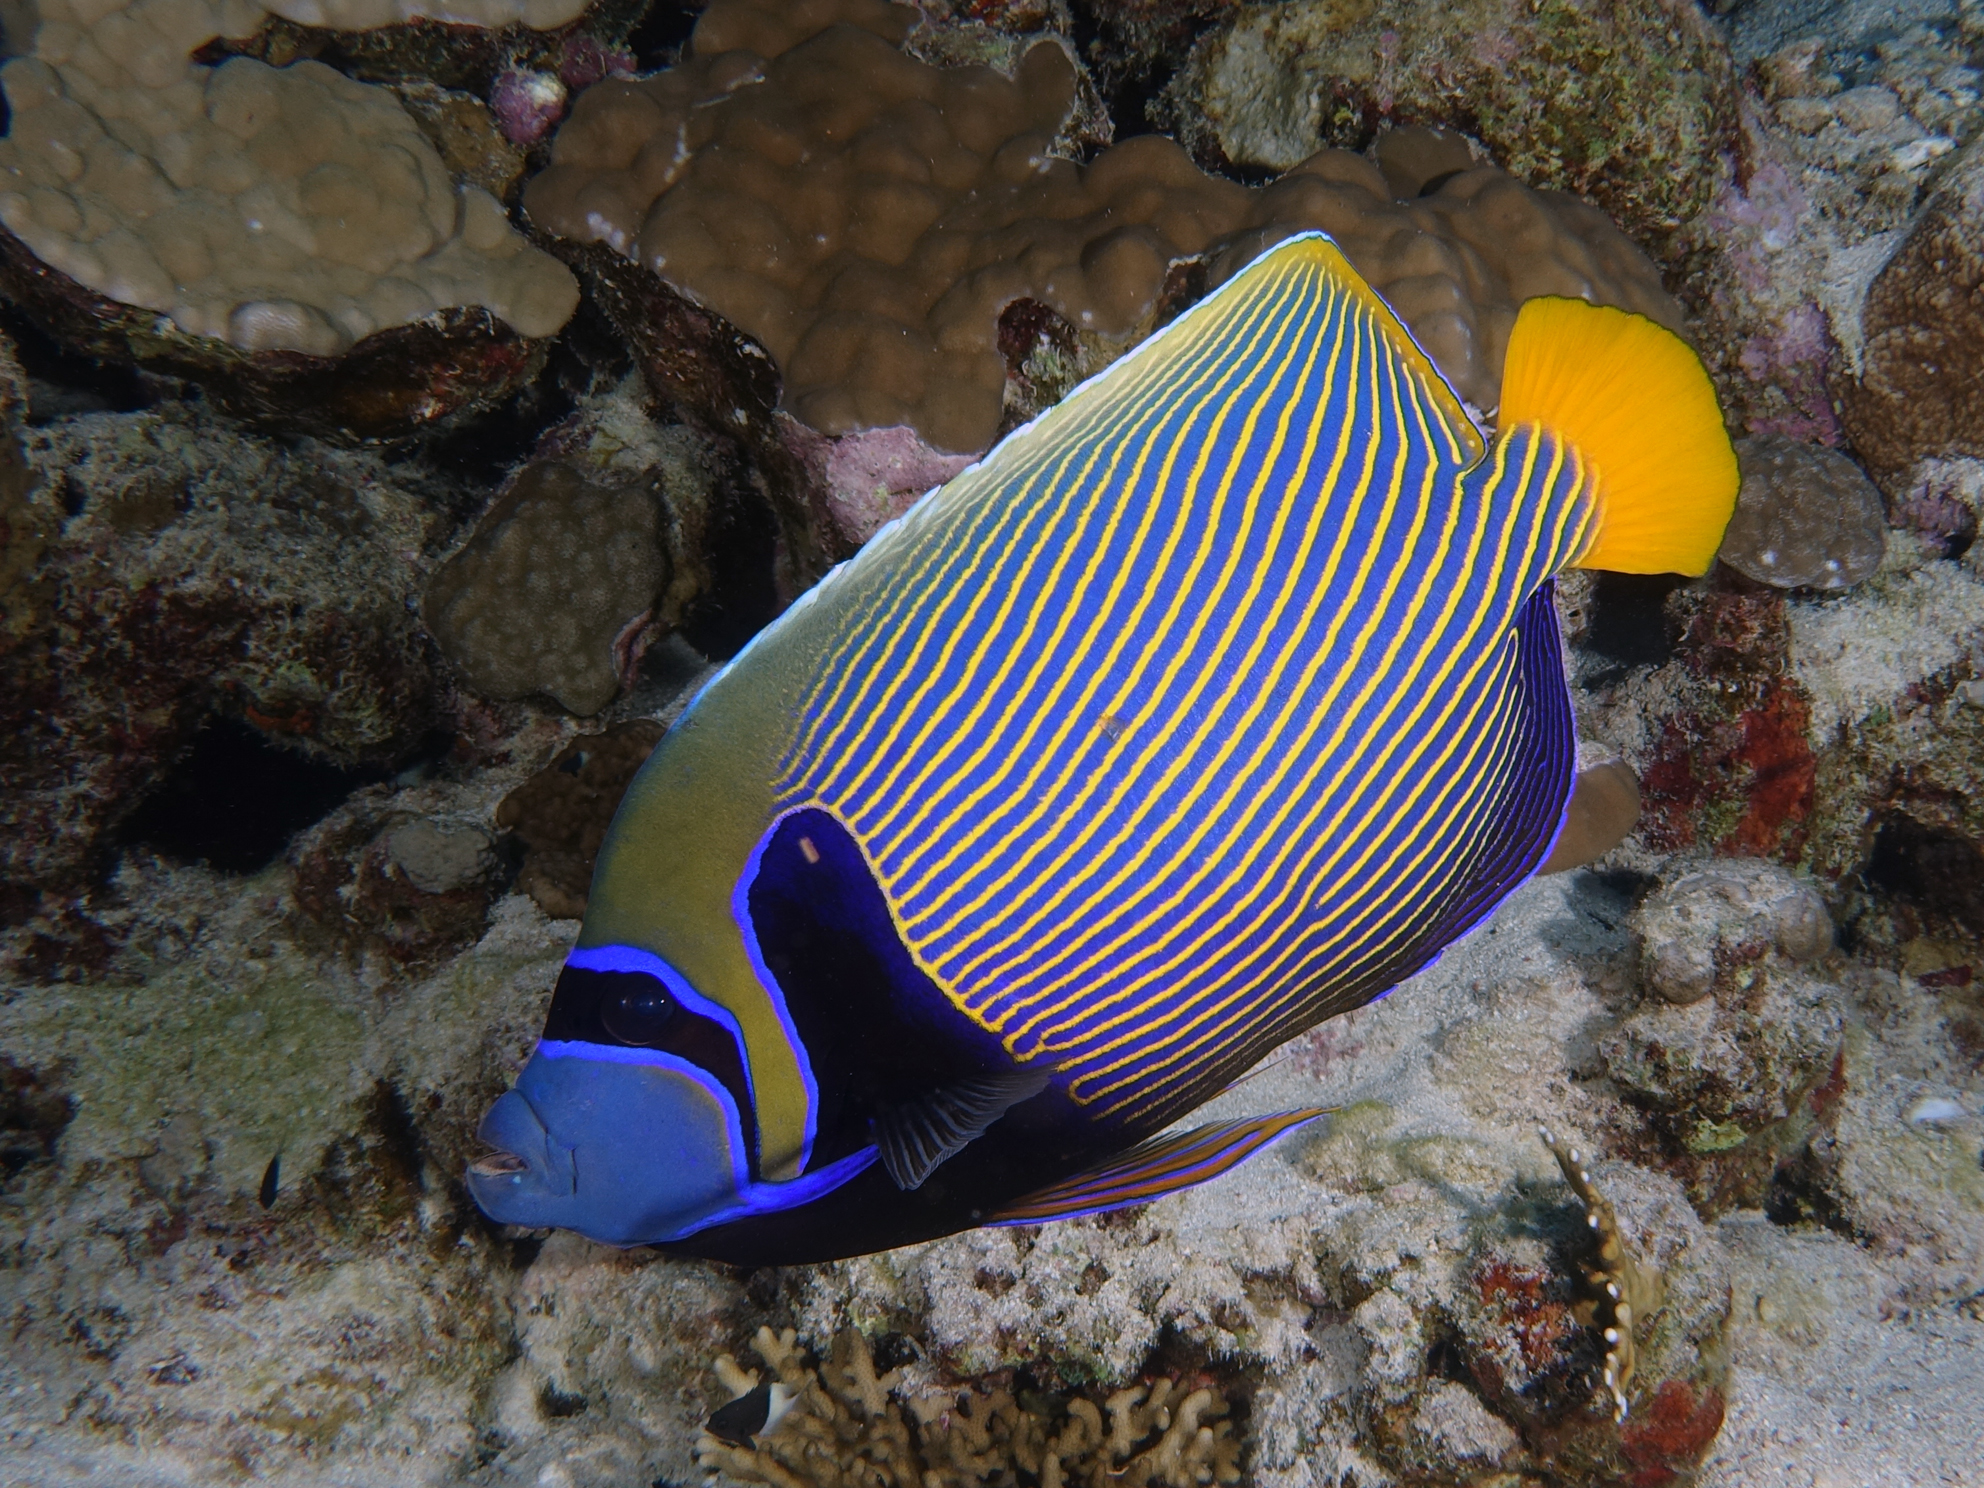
(867, 217)
(278, 209)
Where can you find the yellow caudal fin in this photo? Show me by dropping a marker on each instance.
(1635, 401)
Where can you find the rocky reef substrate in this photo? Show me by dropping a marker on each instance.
(316, 712)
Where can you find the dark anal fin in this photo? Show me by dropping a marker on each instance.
(917, 1136)
(1163, 1165)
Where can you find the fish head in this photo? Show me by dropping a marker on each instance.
(631, 1120)
(634, 1121)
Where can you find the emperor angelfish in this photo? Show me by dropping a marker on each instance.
(1210, 705)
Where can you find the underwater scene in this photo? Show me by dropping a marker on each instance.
(992, 743)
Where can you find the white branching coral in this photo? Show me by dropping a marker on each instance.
(276, 208)
(846, 1426)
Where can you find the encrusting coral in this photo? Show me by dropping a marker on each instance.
(1806, 517)
(274, 208)
(845, 1426)
(1629, 1292)
(557, 572)
(868, 218)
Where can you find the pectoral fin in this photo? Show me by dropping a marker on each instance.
(918, 1135)
(1163, 1165)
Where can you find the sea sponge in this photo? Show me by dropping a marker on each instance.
(556, 573)
(287, 209)
(1806, 517)
(845, 1424)
(867, 217)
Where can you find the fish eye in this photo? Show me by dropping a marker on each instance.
(637, 1015)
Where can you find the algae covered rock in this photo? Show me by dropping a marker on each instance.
(189, 571)
(1711, 927)
(1625, 104)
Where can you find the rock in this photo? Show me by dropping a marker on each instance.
(1701, 932)
(1627, 106)
(189, 571)
(1806, 517)
(1921, 392)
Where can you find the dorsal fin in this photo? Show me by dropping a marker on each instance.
(1163, 1165)
(1318, 253)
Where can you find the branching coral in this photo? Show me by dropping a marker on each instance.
(850, 1427)
(1628, 1292)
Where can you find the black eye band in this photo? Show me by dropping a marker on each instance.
(633, 1010)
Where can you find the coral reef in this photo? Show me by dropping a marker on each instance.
(1626, 104)
(845, 1424)
(562, 812)
(186, 571)
(235, 1101)
(1806, 516)
(873, 252)
(1917, 395)
(550, 587)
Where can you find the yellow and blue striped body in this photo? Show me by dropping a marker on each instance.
(1211, 704)
(1204, 712)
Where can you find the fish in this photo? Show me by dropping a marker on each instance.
(1212, 704)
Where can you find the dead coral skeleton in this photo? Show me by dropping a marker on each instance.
(847, 1427)
(1629, 1291)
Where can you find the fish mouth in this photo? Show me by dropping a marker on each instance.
(527, 1175)
(498, 1165)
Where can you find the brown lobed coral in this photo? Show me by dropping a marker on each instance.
(842, 1425)
(868, 218)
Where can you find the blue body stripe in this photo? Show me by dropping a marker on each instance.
(1215, 702)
